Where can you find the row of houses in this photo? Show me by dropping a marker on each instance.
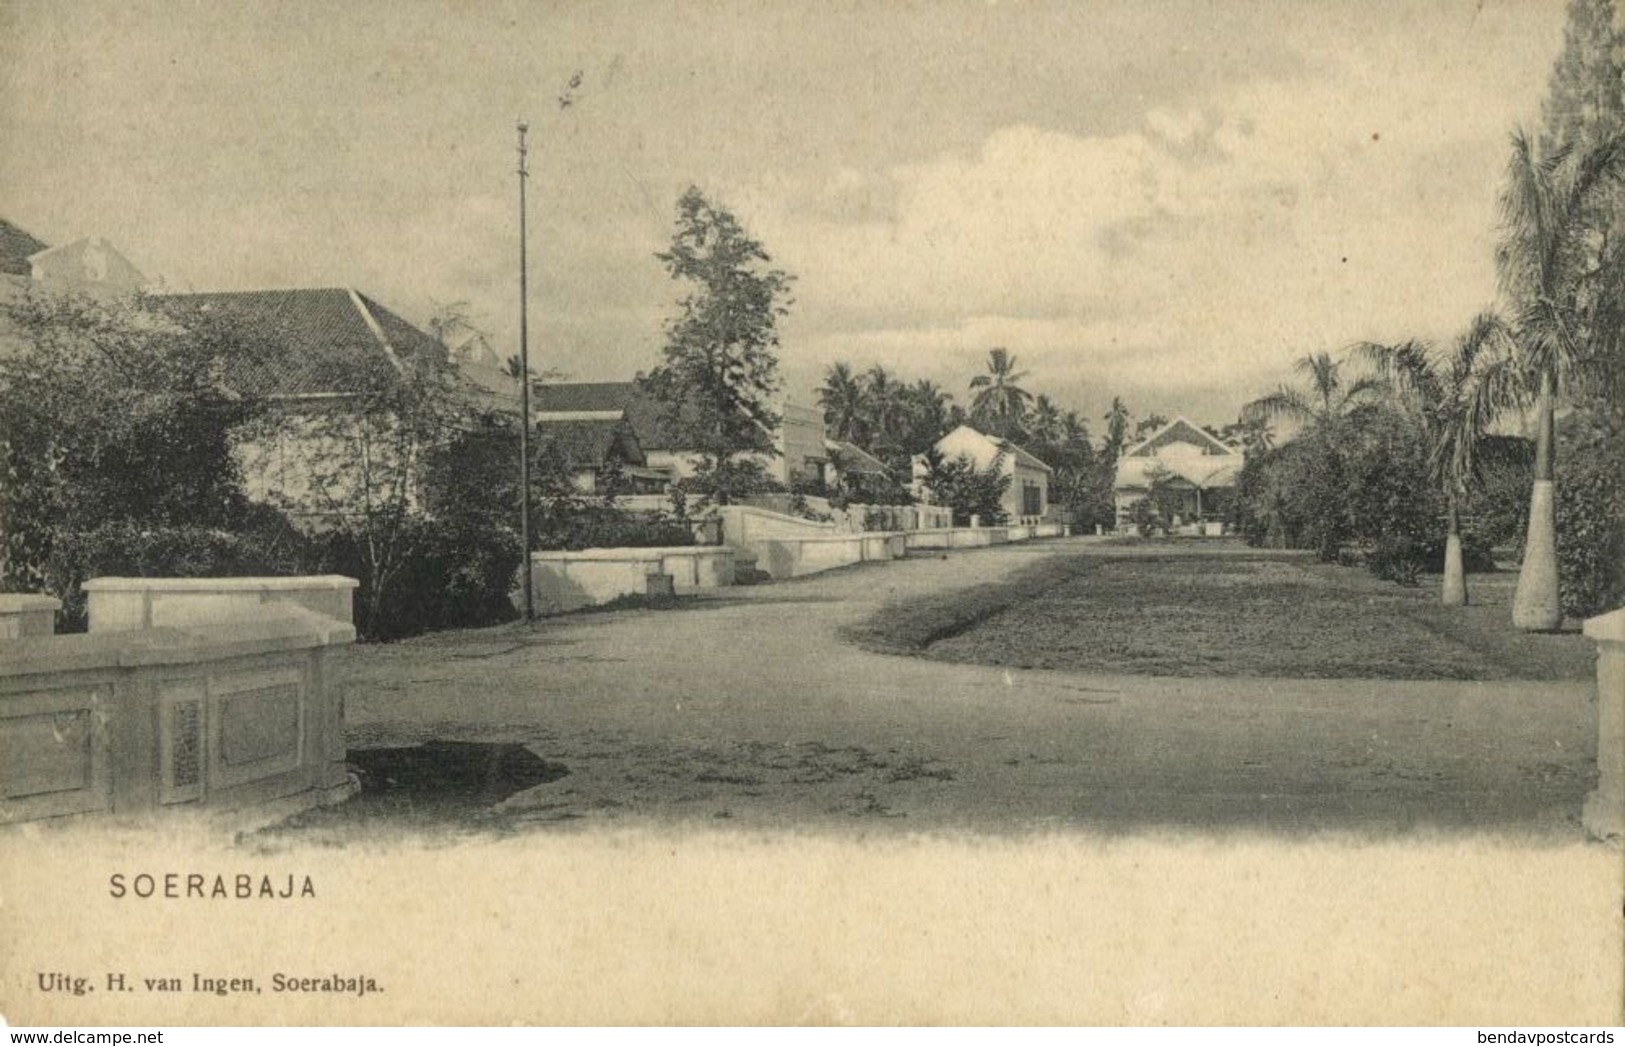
(595, 427)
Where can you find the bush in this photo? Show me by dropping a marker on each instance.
(595, 526)
(1591, 511)
(455, 577)
(1397, 557)
(123, 549)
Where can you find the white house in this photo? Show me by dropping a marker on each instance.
(1195, 468)
(1027, 496)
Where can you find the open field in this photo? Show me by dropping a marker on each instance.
(1189, 609)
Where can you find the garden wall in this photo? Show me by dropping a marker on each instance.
(566, 581)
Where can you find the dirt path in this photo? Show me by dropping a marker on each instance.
(747, 707)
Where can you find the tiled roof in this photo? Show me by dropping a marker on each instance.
(15, 248)
(588, 444)
(649, 417)
(582, 396)
(310, 342)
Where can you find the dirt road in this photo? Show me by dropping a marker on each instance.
(746, 707)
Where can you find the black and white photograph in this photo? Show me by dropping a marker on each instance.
(750, 512)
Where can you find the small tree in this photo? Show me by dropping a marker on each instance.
(114, 414)
(969, 491)
(721, 368)
(361, 462)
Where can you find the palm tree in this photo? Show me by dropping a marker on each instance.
(1455, 398)
(1549, 261)
(1001, 405)
(927, 409)
(1323, 410)
(1116, 419)
(1045, 427)
(1324, 405)
(841, 397)
(883, 409)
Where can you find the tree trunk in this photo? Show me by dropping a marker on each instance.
(1455, 576)
(1535, 604)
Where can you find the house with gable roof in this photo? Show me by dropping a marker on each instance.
(311, 353)
(1026, 497)
(1185, 462)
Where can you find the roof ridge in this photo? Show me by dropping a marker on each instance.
(371, 321)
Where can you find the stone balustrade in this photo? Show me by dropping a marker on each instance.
(124, 604)
(23, 615)
(234, 712)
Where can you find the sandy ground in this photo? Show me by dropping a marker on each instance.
(746, 708)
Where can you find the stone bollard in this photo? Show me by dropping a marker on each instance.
(1604, 812)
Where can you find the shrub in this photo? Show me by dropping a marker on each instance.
(1591, 511)
(969, 491)
(124, 549)
(456, 577)
(595, 526)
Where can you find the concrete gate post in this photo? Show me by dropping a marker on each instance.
(1604, 813)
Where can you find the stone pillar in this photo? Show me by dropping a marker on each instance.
(1604, 813)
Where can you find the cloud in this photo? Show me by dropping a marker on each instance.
(1206, 247)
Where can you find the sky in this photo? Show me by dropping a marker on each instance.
(1163, 201)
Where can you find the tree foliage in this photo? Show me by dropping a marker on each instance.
(114, 414)
(720, 368)
(968, 490)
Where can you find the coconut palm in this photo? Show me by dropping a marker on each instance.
(1324, 410)
(1001, 403)
(883, 407)
(1549, 259)
(1455, 398)
(1324, 405)
(1045, 425)
(841, 397)
(1116, 419)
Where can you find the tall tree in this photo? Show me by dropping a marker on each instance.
(1585, 98)
(1455, 398)
(841, 398)
(1554, 270)
(721, 362)
(1045, 425)
(1117, 420)
(1000, 405)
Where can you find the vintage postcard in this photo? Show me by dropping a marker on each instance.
(753, 512)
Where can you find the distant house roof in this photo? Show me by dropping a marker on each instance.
(1180, 430)
(582, 397)
(965, 436)
(853, 459)
(312, 342)
(590, 444)
(604, 400)
(16, 246)
(1180, 452)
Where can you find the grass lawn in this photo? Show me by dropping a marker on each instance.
(1186, 609)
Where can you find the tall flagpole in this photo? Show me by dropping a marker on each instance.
(524, 391)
